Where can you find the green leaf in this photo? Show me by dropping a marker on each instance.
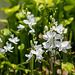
(68, 66)
(38, 1)
(3, 21)
(5, 31)
(67, 22)
(21, 47)
(15, 32)
(10, 11)
(37, 19)
(70, 2)
(27, 70)
(68, 7)
(56, 1)
(48, 2)
(20, 15)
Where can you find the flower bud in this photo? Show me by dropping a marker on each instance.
(53, 20)
(46, 28)
(51, 17)
(54, 14)
(40, 36)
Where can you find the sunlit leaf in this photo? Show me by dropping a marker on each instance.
(27, 70)
(3, 21)
(56, 1)
(20, 15)
(10, 11)
(70, 1)
(68, 66)
(21, 47)
(5, 31)
(67, 22)
(68, 7)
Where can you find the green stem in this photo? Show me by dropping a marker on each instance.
(21, 60)
(61, 63)
(49, 63)
(49, 67)
(32, 65)
(54, 66)
(16, 54)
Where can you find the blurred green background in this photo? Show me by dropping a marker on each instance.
(3, 4)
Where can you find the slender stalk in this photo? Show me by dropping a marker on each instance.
(21, 60)
(49, 67)
(16, 54)
(49, 63)
(32, 65)
(61, 63)
(54, 66)
(0, 68)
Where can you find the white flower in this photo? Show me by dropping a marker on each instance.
(30, 17)
(35, 42)
(37, 51)
(48, 45)
(14, 39)
(58, 36)
(30, 21)
(2, 51)
(8, 47)
(20, 27)
(56, 23)
(29, 56)
(28, 13)
(49, 35)
(62, 45)
(59, 28)
(32, 31)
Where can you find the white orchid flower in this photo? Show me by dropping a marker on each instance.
(58, 28)
(14, 39)
(20, 27)
(8, 47)
(48, 45)
(56, 23)
(28, 56)
(32, 31)
(49, 35)
(30, 21)
(62, 45)
(37, 51)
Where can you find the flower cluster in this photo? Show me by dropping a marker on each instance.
(36, 50)
(54, 39)
(8, 46)
(30, 22)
